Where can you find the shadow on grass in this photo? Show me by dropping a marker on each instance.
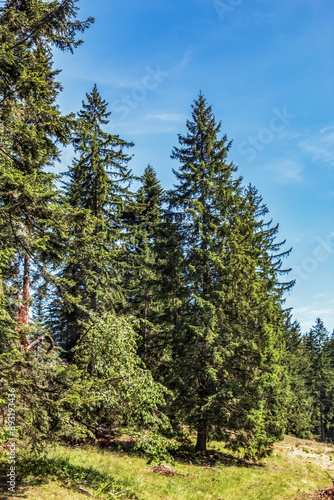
(37, 471)
(76, 478)
(185, 453)
(210, 458)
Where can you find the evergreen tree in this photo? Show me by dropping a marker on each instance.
(300, 401)
(31, 125)
(153, 279)
(329, 349)
(227, 352)
(321, 378)
(143, 279)
(255, 307)
(97, 191)
(7, 325)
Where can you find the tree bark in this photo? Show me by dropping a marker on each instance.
(201, 436)
(23, 314)
(322, 433)
(23, 310)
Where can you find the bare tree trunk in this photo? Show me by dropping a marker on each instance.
(145, 332)
(201, 436)
(93, 302)
(322, 433)
(23, 310)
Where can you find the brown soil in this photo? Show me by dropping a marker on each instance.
(163, 470)
(327, 493)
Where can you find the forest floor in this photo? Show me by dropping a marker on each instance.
(298, 469)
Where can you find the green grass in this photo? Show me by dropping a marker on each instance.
(288, 474)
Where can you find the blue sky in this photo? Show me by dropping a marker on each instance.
(267, 68)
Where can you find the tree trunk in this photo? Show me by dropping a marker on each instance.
(145, 332)
(93, 302)
(322, 433)
(201, 436)
(93, 295)
(23, 312)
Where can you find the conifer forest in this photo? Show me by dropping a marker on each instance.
(130, 308)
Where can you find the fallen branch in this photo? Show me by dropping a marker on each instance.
(119, 493)
(86, 491)
(330, 477)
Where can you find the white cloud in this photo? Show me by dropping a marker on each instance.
(132, 76)
(287, 171)
(306, 317)
(326, 129)
(184, 61)
(290, 135)
(328, 195)
(167, 117)
(321, 146)
(322, 307)
(140, 126)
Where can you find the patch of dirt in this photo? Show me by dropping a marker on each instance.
(164, 470)
(328, 494)
(310, 452)
(322, 460)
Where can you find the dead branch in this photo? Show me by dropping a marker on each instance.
(41, 340)
(330, 477)
(86, 491)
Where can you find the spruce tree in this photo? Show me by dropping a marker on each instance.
(143, 278)
(227, 353)
(321, 380)
(97, 191)
(31, 125)
(329, 349)
(7, 325)
(255, 307)
(298, 365)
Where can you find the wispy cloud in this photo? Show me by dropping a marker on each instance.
(129, 82)
(322, 306)
(150, 123)
(138, 127)
(184, 61)
(287, 171)
(167, 117)
(290, 135)
(307, 317)
(321, 146)
(128, 78)
(328, 195)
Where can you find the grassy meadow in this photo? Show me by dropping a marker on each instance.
(296, 468)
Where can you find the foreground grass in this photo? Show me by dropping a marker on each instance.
(296, 467)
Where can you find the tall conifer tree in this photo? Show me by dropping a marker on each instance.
(298, 365)
(227, 354)
(143, 279)
(98, 191)
(30, 127)
(321, 378)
